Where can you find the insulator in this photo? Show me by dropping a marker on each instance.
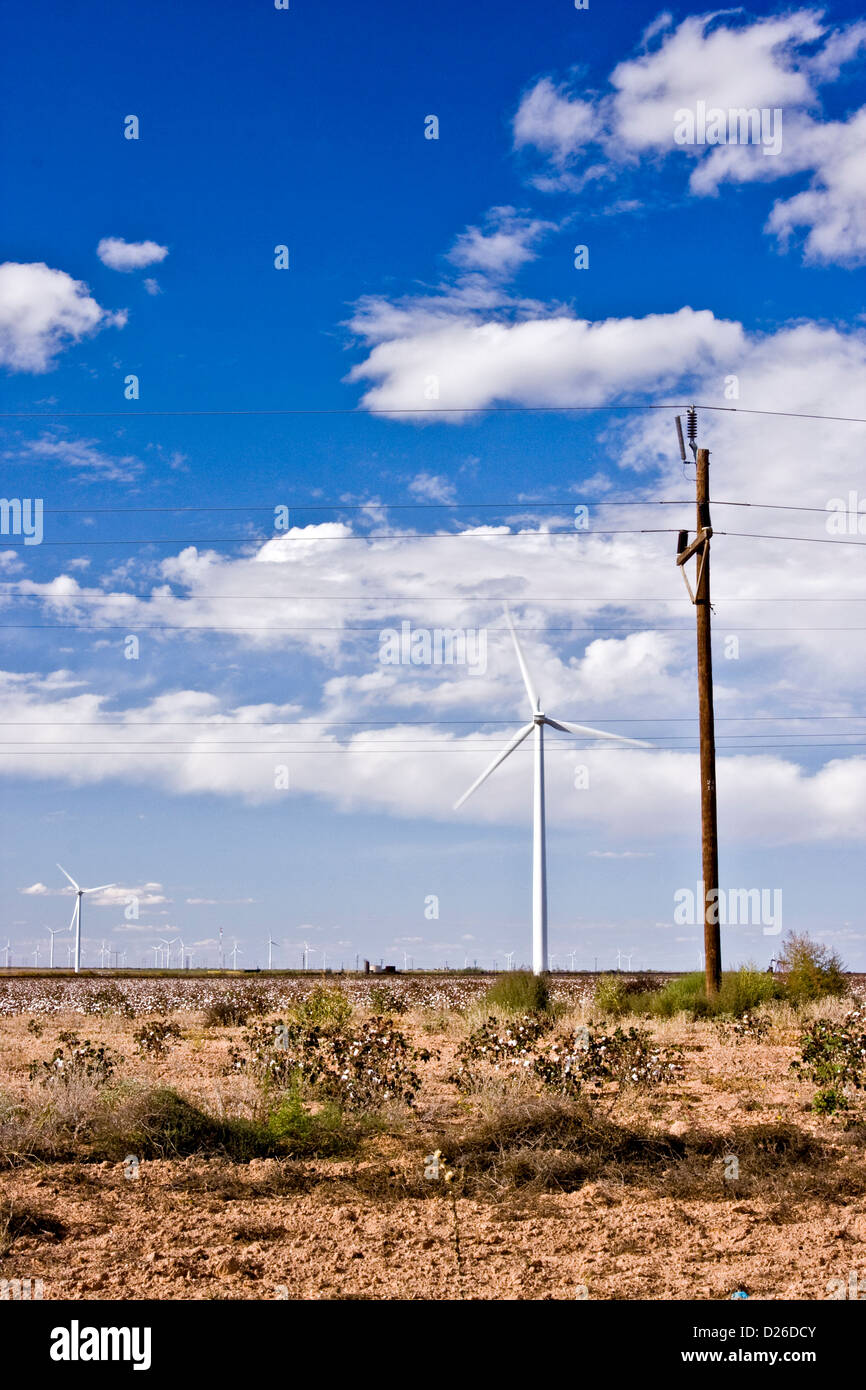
(692, 425)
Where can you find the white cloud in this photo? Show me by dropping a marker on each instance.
(84, 457)
(554, 122)
(502, 247)
(553, 360)
(42, 312)
(432, 488)
(122, 255)
(773, 63)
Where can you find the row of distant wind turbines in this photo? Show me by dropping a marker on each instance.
(536, 726)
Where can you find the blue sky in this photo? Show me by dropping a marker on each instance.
(415, 266)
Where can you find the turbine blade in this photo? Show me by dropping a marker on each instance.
(101, 889)
(595, 733)
(500, 758)
(69, 876)
(524, 669)
(72, 918)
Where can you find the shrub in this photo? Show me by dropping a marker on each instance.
(498, 1044)
(610, 995)
(833, 1056)
(589, 1056)
(324, 1008)
(741, 992)
(109, 999)
(744, 989)
(154, 1038)
(76, 1061)
(387, 1001)
(357, 1068)
(234, 1008)
(520, 992)
(810, 970)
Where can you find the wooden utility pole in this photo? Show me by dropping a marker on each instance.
(700, 547)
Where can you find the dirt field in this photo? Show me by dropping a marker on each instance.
(722, 1177)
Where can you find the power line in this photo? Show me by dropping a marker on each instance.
(514, 505)
(334, 749)
(423, 410)
(95, 626)
(80, 596)
(86, 543)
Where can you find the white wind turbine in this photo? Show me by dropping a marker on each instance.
(76, 911)
(539, 850)
(167, 945)
(271, 945)
(235, 951)
(8, 947)
(52, 932)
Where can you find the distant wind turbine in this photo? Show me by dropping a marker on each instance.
(76, 911)
(271, 945)
(235, 952)
(7, 948)
(52, 932)
(539, 851)
(36, 955)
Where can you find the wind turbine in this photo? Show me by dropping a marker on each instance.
(271, 945)
(235, 951)
(52, 932)
(36, 955)
(157, 952)
(307, 949)
(539, 851)
(102, 955)
(8, 947)
(168, 945)
(509, 957)
(76, 911)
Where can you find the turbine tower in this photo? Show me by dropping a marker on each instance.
(539, 849)
(271, 945)
(76, 911)
(52, 932)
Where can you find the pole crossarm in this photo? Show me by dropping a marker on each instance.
(699, 546)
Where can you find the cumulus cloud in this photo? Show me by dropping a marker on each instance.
(653, 795)
(42, 312)
(777, 63)
(122, 255)
(556, 359)
(502, 246)
(558, 124)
